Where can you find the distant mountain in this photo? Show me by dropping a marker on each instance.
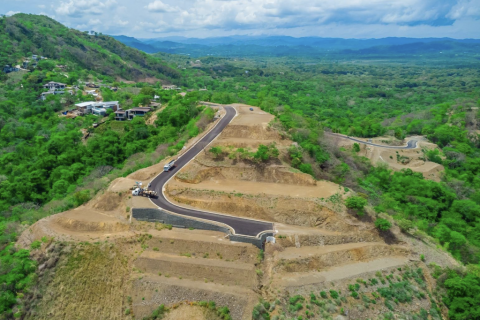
(316, 42)
(22, 35)
(289, 46)
(137, 44)
(421, 48)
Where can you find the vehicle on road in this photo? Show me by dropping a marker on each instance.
(144, 193)
(251, 109)
(169, 166)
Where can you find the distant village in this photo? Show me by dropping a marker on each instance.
(99, 108)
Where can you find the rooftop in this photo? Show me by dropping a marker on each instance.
(85, 104)
(141, 109)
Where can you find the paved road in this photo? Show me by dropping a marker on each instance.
(240, 225)
(411, 144)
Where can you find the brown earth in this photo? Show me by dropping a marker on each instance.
(407, 158)
(192, 312)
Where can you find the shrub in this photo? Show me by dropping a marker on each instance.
(356, 147)
(382, 224)
(323, 294)
(357, 203)
(36, 244)
(333, 294)
(217, 151)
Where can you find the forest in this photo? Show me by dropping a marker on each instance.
(47, 166)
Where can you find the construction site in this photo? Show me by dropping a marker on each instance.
(102, 261)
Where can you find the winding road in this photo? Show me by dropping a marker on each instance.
(411, 144)
(241, 226)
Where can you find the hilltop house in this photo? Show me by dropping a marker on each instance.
(54, 85)
(85, 107)
(49, 92)
(137, 112)
(121, 115)
(97, 108)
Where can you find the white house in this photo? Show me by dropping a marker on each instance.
(54, 85)
(85, 107)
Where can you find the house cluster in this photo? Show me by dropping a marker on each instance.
(100, 109)
(25, 64)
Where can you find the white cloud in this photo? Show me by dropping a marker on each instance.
(205, 18)
(79, 8)
(11, 13)
(465, 8)
(159, 6)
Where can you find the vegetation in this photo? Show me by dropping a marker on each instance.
(382, 224)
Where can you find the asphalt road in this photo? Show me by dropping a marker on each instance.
(240, 225)
(411, 144)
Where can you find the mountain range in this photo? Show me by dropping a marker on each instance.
(285, 45)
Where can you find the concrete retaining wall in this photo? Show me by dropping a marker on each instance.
(158, 215)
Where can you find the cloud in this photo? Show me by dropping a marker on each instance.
(159, 6)
(205, 18)
(80, 8)
(11, 13)
(465, 8)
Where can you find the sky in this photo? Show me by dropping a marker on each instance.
(298, 18)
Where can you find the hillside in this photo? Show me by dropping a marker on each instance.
(23, 35)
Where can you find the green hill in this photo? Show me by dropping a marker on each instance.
(22, 35)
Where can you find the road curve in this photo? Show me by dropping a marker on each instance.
(240, 225)
(411, 144)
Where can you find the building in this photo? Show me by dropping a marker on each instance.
(98, 108)
(99, 111)
(54, 85)
(8, 68)
(120, 115)
(85, 107)
(137, 112)
(44, 95)
(113, 105)
(91, 85)
(170, 87)
(92, 92)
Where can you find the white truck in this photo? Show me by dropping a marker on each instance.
(169, 166)
(144, 193)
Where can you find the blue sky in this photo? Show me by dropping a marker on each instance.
(209, 18)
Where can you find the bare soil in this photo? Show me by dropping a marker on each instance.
(399, 159)
(187, 311)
